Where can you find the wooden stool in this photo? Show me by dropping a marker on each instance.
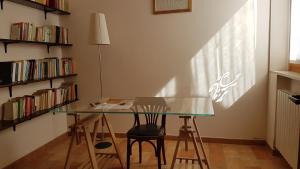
(186, 132)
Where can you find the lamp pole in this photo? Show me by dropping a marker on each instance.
(102, 144)
(100, 73)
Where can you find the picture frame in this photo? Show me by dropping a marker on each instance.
(171, 6)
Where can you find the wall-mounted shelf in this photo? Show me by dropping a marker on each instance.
(38, 6)
(8, 124)
(288, 74)
(46, 9)
(33, 81)
(6, 42)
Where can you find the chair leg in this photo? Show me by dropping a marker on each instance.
(163, 151)
(140, 151)
(159, 143)
(128, 153)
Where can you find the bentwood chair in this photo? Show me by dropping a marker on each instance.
(153, 109)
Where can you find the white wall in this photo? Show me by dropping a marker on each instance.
(36, 132)
(180, 55)
(279, 39)
(279, 52)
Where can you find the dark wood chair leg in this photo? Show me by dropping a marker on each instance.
(128, 153)
(140, 151)
(163, 151)
(159, 143)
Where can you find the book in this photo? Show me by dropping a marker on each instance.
(14, 72)
(15, 32)
(5, 73)
(9, 111)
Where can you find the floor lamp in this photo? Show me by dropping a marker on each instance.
(99, 36)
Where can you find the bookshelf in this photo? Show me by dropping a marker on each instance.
(8, 124)
(38, 6)
(34, 81)
(6, 42)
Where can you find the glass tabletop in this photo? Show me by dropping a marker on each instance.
(200, 106)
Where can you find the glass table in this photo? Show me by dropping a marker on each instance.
(186, 108)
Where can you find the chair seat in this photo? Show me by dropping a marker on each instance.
(148, 130)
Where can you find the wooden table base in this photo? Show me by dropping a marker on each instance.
(91, 140)
(186, 132)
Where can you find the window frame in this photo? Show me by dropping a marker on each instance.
(292, 65)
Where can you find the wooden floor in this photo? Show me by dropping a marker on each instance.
(222, 156)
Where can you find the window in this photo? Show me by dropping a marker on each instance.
(295, 32)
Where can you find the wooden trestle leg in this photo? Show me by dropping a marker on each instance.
(186, 132)
(67, 162)
(201, 144)
(90, 141)
(114, 140)
(90, 147)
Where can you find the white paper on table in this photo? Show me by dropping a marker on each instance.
(104, 106)
(107, 106)
(125, 106)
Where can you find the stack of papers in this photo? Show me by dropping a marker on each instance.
(108, 106)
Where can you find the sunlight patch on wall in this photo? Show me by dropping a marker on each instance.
(224, 68)
(221, 87)
(227, 59)
(169, 89)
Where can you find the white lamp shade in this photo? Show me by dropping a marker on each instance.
(98, 30)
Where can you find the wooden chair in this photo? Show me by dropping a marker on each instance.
(152, 108)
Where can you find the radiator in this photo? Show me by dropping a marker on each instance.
(287, 128)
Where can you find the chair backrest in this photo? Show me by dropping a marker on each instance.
(152, 107)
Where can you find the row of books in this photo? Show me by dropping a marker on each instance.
(53, 34)
(58, 4)
(24, 107)
(23, 31)
(49, 33)
(27, 70)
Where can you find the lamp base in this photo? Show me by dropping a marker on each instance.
(103, 145)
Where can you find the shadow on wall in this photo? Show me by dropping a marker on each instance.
(224, 68)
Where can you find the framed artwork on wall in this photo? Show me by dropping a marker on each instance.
(171, 6)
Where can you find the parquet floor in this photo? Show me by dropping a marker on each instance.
(222, 156)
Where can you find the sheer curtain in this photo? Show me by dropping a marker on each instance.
(295, 32)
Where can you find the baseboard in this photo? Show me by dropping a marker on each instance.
(234, 141)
